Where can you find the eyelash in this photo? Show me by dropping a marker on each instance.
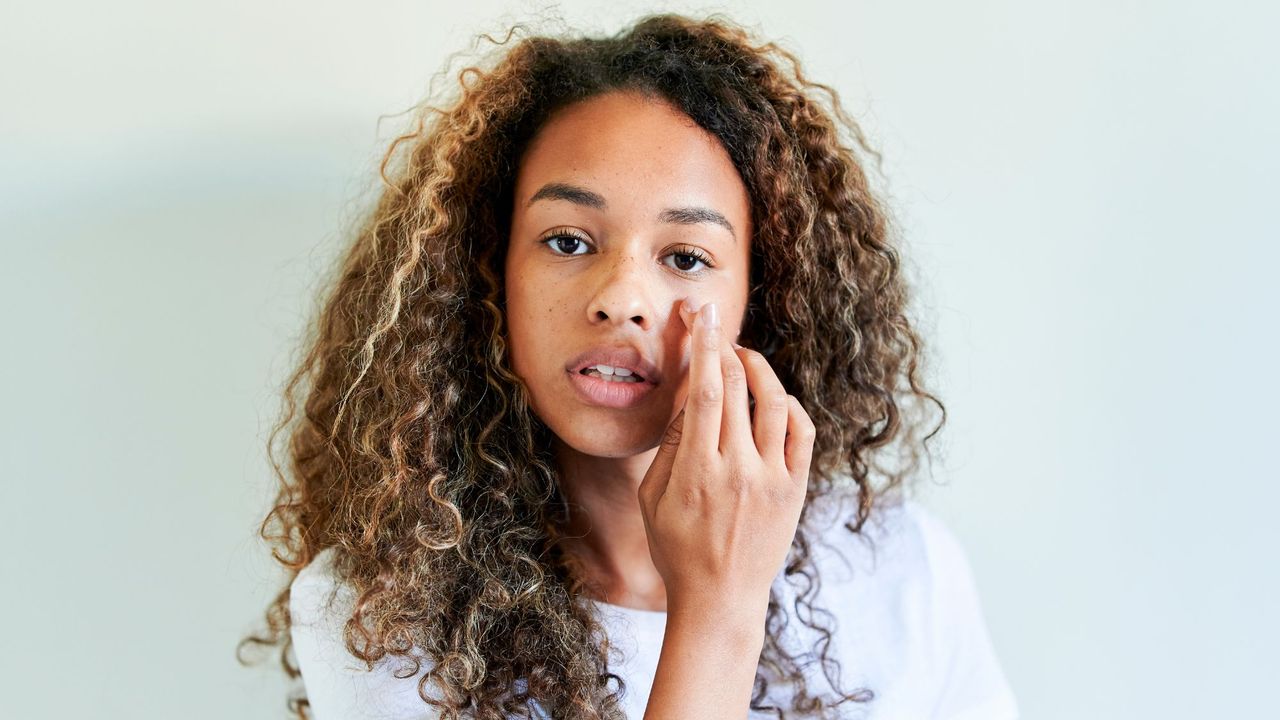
(686, 251)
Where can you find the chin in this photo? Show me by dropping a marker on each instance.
(607, 440)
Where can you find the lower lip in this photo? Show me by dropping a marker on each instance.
(608, 393)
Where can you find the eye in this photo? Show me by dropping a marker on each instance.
(564, 242)
(691, 256)
(562, 239)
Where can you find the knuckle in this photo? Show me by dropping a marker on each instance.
(708, 395)
(808, 434)
(807, 427)
(711, 339)
(794, 407)
(689, 497)
(734, 373)
(776, 399)
(780, 494)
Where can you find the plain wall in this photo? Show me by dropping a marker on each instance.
(1085, 192)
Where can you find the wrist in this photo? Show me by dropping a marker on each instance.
(740, 624)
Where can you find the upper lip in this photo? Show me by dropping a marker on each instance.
(619, 356)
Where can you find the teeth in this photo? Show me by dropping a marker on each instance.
(611, 377)
(609, 370)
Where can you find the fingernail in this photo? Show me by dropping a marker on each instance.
(737, 346)
(713, 315)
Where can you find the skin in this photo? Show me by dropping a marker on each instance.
(622, 281)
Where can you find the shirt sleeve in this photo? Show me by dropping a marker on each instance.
(971, 683)
(338, 685)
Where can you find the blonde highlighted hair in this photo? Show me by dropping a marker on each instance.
(409, 445)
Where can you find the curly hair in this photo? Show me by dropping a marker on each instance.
(411, 447)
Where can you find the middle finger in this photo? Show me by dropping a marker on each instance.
(769, 426)
(735, 425)
(704, 401)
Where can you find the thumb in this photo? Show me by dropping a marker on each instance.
(655, 479)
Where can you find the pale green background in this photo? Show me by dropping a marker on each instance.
(1087, 191)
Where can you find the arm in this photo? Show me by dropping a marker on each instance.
(721, 502)
(708, 664)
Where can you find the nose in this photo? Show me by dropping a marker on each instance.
(623, 293)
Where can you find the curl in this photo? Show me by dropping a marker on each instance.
(412, 451)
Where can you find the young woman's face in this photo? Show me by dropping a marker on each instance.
(623, 208)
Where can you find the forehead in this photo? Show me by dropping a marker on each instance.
(636, 151)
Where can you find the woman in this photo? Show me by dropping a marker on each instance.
(595, 412)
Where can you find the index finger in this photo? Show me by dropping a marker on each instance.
(703, 406)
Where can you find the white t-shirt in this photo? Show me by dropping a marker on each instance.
(908, 625)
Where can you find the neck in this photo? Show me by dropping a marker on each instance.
(606, 531)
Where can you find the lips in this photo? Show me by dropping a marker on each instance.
(618, 356)
(594, 390)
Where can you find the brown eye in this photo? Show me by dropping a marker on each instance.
(564, 243)
(683, 259)
(687, 260)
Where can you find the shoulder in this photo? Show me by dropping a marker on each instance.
(970, 676)
(909, 612)
(319, 607)
(896, 544)
(320, 604)
(316, 594)
(902, 542)
(337, 683)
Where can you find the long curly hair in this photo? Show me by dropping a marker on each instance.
(411, 449)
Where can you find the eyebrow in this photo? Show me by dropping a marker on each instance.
(582, 196)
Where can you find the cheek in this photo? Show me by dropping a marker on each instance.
(516, 316)
(533, 319)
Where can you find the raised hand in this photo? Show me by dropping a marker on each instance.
(722, 498)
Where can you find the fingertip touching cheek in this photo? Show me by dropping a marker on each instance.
(623, 209)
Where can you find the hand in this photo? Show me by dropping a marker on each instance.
(722, 498)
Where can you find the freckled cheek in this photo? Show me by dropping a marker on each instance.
(539, 327)
(525, 346)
